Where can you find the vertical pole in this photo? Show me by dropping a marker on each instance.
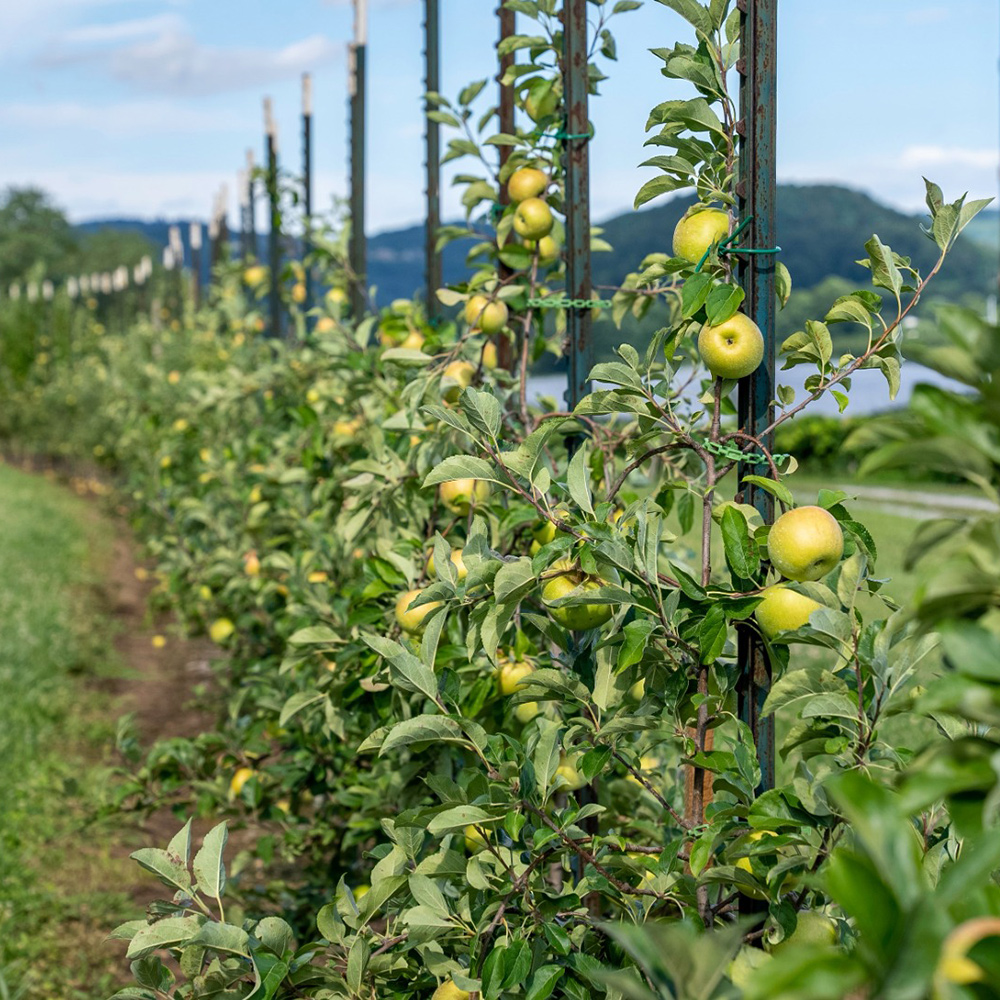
(358, 247)
(194, 238)
(307, 184)
(505, 349)
(756, 188)
(222, 212)
(577, 160)
(274, 234)
(432, 85)
(251, 226)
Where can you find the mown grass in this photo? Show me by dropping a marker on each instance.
(56, 882)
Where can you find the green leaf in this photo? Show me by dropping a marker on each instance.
(424, 731)
(885, 274)
(636, 635)
(544, 979)
(209, 868)
(459, 817)
(694, 293)
(223, 937)
(463, 467)
(778, 490)
(483, 411)
(165, 865)
(313, 635)
(168, 933)
(297, 702)
(656, 186)
(578, 479)
(741, 550)
(180, 844)
(722, 303)
(712, 634)
(692, 12)
(408, 672)
(782, 283)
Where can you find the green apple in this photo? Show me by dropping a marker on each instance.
(456, 377)
(526, 711)
(548, 251)
(414, 340)
(474, 840)
(458, 495)
(812, 928)
(457, 561)
(697, 231)
(533, 219)
(541, 100)
(527, 182)
(490, 359)
(805, 543)
(732, 349)
(783, 609)
(578, 617)
(746, 962)
(449, 991)
(411, 620)
(490, 317)
(511, 675)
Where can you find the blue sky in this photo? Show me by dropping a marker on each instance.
(145, 107)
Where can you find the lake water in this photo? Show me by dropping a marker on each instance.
(869, 390)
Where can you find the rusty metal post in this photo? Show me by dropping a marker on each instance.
(577, 161)
(756, 189)
(508, 26)
(307, 188)
(274, 233)
(358, 250)
(432, 85)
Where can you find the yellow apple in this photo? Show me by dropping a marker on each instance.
(298, 293)
(325, 325)
(697, 231)
(805, 543)
(251, 564)
(336, 297)
(489, 355)
(220, 630)
(511, 675)
(526, 711)
(490, 317)
(449, 991)
(474, 840)
(457, 561)
(533, 219)
(527, 182)
(239, 779)
(458, 495)
(411, 620)
(456, 377)
(783, 609)
(414, 340)
(578, 617)
(572, 777)
(732, 349)
(255, 275)
(548, 251)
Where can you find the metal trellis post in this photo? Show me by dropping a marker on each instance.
(251, 202)
(577, 161)
(358, 248)
(194, 238)
(432, 85)
(505, 351)
(756, 189)
(274, 234)
(307, 184)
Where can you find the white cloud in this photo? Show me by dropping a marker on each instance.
(928, 15)
(120, 31)
(919, 157)
(127, 118)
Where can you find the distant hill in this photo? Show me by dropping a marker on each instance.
(821, 229)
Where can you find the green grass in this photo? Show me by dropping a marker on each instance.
(56, 883)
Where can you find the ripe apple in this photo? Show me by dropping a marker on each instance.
(572, 776)
(697, 231)
(545, 531)
(541, 100)
(526, 711)
(525, 183)
(578, 617)
(489, 356)
(533, 219)
(414, 340)
(336, 297)
(783, 609)
(732, 349)
(805, 543)
(251, 564)
(511, 675)
(456, 376)
(220, 630)
(411, 620)
(326, 324)
(449, 991)
(812, 928)
(255, 275)
(490, 317)
(457, 561)
(548, 251)
(458, 495)
(298, 293)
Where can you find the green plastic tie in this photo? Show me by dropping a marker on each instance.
(735, 454)
(724, 245)
(556, 303)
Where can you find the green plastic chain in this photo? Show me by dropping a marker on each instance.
(735, 454)
(555, 303)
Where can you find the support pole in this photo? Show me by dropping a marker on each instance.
(251, 223)
(505, 349)
(577, 161)
(756, 189)
(307, 185)
(274, 235)
(432, 85)
(358, 249)
(194, 238)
